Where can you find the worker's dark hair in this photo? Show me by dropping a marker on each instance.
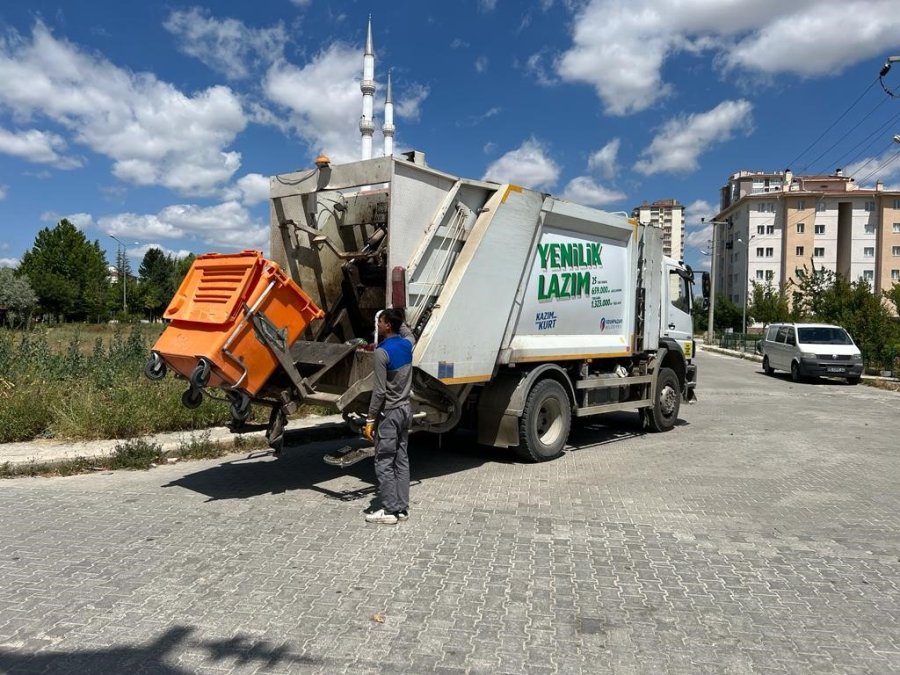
(395, 317)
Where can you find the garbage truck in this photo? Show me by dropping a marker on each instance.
(528, 310)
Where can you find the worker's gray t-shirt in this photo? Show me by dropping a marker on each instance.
(393, 372)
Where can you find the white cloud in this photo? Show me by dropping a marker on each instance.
(481, 64)
(583, 190)
(9, 262)
(537, 67)
(228, 46)
(323, 99)
(884, 167)
(699, 233)
(409, 103)
(620, 48)
(155, 134)
(227, 225)
(683, 139)
(251, 189)
(138, 252)
(3, 192)
(79, 220)
(527, 165)
(487, 5)
(458, 43)
(489, 147)
(37, 146)
(824, 41)
(302, 4)
(604, 160)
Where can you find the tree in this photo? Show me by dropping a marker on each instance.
(893, 294)
(17, 298)
(157, 281)
(67, 272)
(823, 295)
(769, 304)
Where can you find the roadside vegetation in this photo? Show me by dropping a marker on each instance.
(60, 382)
(134, 454)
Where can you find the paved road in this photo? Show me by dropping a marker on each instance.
(761, 535)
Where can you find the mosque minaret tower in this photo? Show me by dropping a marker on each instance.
(367, 86)
(388, 128)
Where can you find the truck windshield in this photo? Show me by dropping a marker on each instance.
(827, 335)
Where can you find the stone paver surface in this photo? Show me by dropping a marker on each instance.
(761, 535)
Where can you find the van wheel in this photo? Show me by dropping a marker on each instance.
(545, 422)
(767, 369)
(795, 372)
(664, 413)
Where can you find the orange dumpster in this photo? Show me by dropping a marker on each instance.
(211, 327)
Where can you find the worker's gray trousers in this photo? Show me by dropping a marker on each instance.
(391, 458)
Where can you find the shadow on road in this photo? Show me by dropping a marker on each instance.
(154, 657)
(821, 381)
(300, 467)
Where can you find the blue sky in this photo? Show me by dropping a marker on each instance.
(159, 123)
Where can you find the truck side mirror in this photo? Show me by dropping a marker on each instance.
(705, 286)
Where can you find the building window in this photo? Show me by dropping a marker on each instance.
(799, 250)
(801, 228)
(820, 206)
(770, 229)
(870, 228)
(801, 204)
(869, 275)
(897, 203)
(770, 275)
(759, 252)
(895, 275)
(870, 206)
(770, 251)
(820, 229)
(895, 251)
(760, 229)
(819, 252)
(869, 252)
(896, 228)
(759, 274)
(797, 271)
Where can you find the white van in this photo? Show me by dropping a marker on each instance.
(811, 350)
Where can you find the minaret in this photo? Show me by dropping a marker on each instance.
(388, 128)
(367, 87)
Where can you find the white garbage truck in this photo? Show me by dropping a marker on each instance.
(528, 310)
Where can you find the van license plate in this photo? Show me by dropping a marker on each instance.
(835, 369)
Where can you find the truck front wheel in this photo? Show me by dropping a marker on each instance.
(667, 403)
(545, 422)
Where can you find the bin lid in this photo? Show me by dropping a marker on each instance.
(215, 286)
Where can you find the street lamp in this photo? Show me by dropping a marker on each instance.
(712, 282)
(124, 278)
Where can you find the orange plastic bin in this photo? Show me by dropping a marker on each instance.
(209, 319)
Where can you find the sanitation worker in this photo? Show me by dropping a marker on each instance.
(390, 416)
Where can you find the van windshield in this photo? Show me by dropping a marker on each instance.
(827, 335)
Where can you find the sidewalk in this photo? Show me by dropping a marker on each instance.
(50, 452)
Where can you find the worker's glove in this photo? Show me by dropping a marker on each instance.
(368, 431)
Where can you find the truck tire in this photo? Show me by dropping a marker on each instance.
(667, 402)
(767, 369)
(545, 422)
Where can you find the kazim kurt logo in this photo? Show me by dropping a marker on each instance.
(602, 324)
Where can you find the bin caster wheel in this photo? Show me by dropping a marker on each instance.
(155, 368)
(200, 375)
(240, 407)
(192, 398)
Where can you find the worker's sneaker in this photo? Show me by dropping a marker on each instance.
(403, 515)
(382, 517)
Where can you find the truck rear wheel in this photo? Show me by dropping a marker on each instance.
(667, 402)
(545, 422)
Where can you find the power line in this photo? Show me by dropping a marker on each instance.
(833, 124)
(870, 160)
(839, 140)
(875, 135)
(882, 167)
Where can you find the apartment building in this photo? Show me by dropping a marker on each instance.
(667, 214)
(772, 224)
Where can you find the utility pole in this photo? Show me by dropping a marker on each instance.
(710, 332)
(124, 277)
